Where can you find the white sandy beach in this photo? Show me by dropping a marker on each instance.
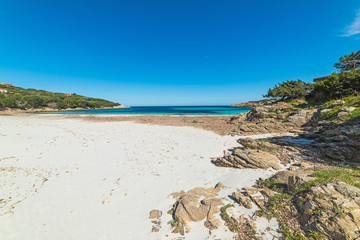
(73, 179)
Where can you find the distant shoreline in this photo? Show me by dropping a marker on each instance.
(50, 110)
(163, 111)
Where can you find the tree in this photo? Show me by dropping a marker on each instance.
(337, 85)
(289, 89)
(346, 63)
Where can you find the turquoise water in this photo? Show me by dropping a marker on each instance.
(167, 110)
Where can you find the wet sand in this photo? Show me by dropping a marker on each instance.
(217, 124)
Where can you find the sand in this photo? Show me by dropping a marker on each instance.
(216, 123)
(65, 178)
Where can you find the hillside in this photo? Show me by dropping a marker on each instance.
(12, 97)
(315, 133)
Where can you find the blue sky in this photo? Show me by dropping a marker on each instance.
(173, 52)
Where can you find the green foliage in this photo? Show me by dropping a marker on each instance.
(259, 146)
(228, 221)
(272, 184)
(35, 99)
(346, 63)
(289, 89)
(289, 235)
(337, 85)
(316, 235)
(352, 101)
(355, 113)
(349, 175)
(330, 114)
(173, 222)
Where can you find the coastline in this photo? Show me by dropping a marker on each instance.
(175, 157)
(44, 110)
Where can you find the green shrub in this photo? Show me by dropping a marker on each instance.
(336, 86)
(289, 89)
(355, 113)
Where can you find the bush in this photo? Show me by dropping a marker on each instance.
(289, 89)
(33, 101)
(337, 85)
(8, 102)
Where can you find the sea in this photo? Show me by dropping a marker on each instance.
(165, 110)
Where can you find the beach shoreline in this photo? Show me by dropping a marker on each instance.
(64, 177)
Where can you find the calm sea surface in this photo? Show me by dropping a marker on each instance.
(167, 110)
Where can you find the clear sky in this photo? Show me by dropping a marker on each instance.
(172, 52)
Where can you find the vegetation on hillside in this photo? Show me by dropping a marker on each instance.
(36, 99)
(289, 89)
(336, 86)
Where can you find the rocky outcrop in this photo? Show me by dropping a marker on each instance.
(331, 210)
(253, 103)
(238, 118)
(245, 128)
(274, 118)
(248, 158)
(258, 154)
(242, 200)
(340, 143)
(195, 205)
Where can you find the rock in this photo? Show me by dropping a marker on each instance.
(292, 168)
(309, 206)
(179, 228)
(250, 191)
(325, 111)
(338, 103)
(255, 197)
(343, 114)
(346, 190)
(297, 181)
(252, 225)
(282, 177)
(339, 151)
(220, 186)
(251, 104)
(325, 123)
(155, 229)
(238, 118)
(355, 215)
(248, 158)
(347, 109)
(267, 193)
(275, 117)
(301, 117)
(155, 214)
(305, 165)
(196, 205)
(331, 210)
(332, 132)
(259, 201)
(213, 224)
(242, 200)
